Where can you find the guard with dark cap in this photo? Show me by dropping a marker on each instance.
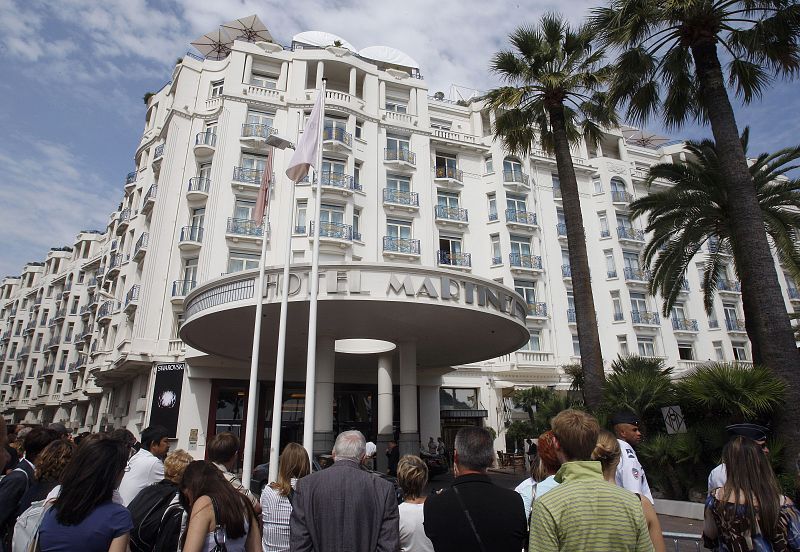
(754, 432)
(630, 474)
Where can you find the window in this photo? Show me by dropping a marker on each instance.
(359, 129)
(622, 341)
(534, 342)
(497, 256)
(81, 276)
(604, 231)
(517, 203)
(256, 164)
(647, 346)
(616, 303)
(618, 186)
(39, 339)
(458, 399)
(571, 316)
(398, 229)
(397, 144)
(258, 118)
(70, 330)
(197, 218)
(630, 261)
(356, 224)
(492, 201)
(238, 261)
(624, 222)
(264, 81)
(638, 302)
(190, 271)
(446, 165)
(396, 105)
(731, 315)
(679, 311)
(597, 184)
(566, 269)
(300, 217)
(450, 251)
(243, 209)
(512, 170)
(521, 248)
(488, 165)
(216, 89)
(685, 351)
(611, 266)
(576, 346)
(357, 175)
(398, 183)
(43, 320)
(447, 200)
(178, 324)
(332, 214)
(739, 350)
(719, 352)
(74, 309)
(526, 289)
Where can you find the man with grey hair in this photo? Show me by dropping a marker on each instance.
(344, 507)
(475, 514)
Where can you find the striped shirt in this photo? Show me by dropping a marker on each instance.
(233, 479)
(275, 511)
(586, 513)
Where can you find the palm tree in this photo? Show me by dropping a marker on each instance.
(641, 385)
(553, 79)
(670, 64)
(695, 210)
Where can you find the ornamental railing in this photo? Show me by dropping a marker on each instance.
(400, 197)
(521, 217)
(521, 260)
(401, 245)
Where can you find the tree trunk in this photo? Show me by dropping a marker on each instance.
(769, 320)
(585, 316)
(749, 309)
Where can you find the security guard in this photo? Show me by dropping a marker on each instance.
(757, 433)
(630, 474)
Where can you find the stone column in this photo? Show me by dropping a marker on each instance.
(248, 68)
(282, 78)
(409, 429)
(623, 150)
(323, 402)
(382, 95)
(412, 103)
(385, 409)
(320, 74)
(429, 413)
(352, 87)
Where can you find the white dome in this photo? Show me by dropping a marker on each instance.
(390, 55)
(321, 39)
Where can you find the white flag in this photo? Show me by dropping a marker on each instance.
(305, 155)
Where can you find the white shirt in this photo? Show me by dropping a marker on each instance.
(630, 474)
(52, 495)
(144, 469)
(717, 478)
(412, 531)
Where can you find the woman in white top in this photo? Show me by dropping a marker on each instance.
(543, 472)
(276, 506)
(412, 476)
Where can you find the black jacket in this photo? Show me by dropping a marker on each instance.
(497, 513)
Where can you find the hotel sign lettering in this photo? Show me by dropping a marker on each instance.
(428, 287)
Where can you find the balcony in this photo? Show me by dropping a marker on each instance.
(92, 283)
(140, 248)
(637, 276)
(457, 260)
(684, 325)
(247, 178)
(451, 215)
(794, 294)
(339, 182)
(735, 325)
(400, 158)
(198, 188)
(132, 299)
(60, 314)
(459, 137)
(566, 271)
(521, 219)
(561, 230)
(571, 317)
(181, 288)
(191, 238)
(244, 229)
(54, 341)
(124, 220)
(130, 180)
(524, 263)
(537, 310)
(114, 263)
(729, 286)
(333, 232)
(645, 318)
(396, 198)
(448, 177)
(632, 235)
(49, 369)
(337, 139)
(401, 247)
(516, 180)
(557, 193)
(255, 135)
(105, 311)
(205, 144)
(150, 199)
(621, 197)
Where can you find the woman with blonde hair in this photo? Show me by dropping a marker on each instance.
(412, 476)
(608, 453)
(276, 498)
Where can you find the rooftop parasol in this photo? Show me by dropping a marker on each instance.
(639, 137)
(248, 28)
(214, 45)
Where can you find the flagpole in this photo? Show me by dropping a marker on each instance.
(252, 407)
(311, 349)
(277, 401)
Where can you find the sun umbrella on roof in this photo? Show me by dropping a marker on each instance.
(248, 28)
(214, 45)
(639, 137)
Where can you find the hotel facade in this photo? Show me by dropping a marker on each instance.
(432, 238)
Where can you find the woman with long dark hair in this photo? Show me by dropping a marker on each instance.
(749, 513)
(83, 516)
(218, 514)
(276, 506)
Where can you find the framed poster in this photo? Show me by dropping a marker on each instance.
(167, 396)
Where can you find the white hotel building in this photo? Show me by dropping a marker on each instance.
(429, 227)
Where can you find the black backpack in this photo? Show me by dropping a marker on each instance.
(149, 510)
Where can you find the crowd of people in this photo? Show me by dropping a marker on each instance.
(587, 491)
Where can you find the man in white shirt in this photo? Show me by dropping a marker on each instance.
(630, 474)
(146, 466)
(757, 433)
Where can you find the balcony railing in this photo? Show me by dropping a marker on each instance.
(735, 325)
(131, 178)
(106, 309)
(159, 151)
(637, 274)
(557, 192)
(451, 213)
(521, 217)
(571, 318)
(793, 292)
(339, 180)
(337, 134)
(451, 173)
(199, 184)
(181, 288)
(245, 227)
(141, 243)
(521, 260)
(645, 317)
(191, 234)
(401, 245)
(729, 285)
(334, 230)
(115, 261)
(151, 196)
(632, 234)
(255, 130)
(454, 259)
(621, 196)
(684, 324)
(124, 216)
(404, 155)
(561, 228)
(400, 197)
(516, 177)
(245, 174)
(537, 309)
(566, 271)
(205, 138)
(133, 295)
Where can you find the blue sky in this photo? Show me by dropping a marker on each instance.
(75, 72)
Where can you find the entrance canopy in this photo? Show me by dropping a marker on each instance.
(453, 318)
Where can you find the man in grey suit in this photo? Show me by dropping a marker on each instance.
(345, 508)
